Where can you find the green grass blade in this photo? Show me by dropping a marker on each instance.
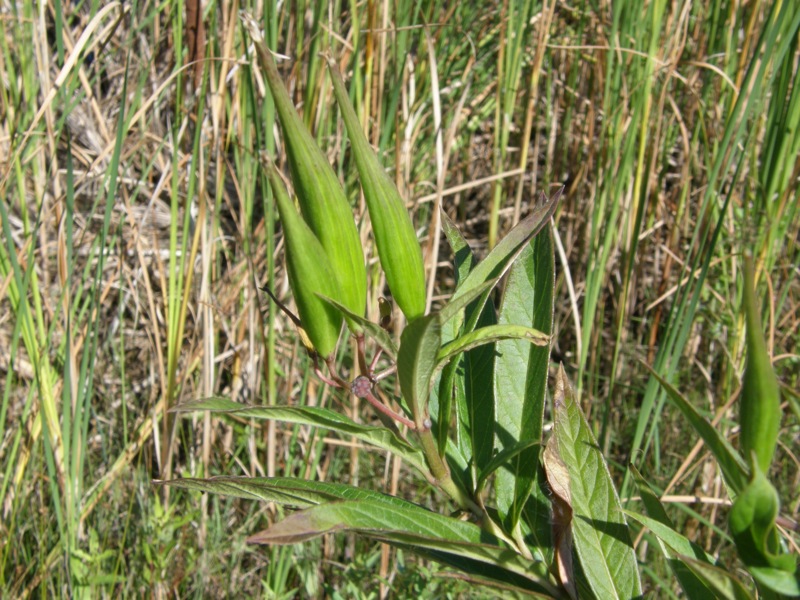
(730, 462)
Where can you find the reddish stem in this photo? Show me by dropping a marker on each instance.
(389, 412)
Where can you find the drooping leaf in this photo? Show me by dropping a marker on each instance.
(732, 465)
(416, 362)
(600, 533)
(292, 492)
(408, 525)
(674, 539)
(398, 248)
(672, 543)
(659, 522)
(489, 335)
(319, 417)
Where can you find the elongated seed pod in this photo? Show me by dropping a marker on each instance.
(310, 273)
(319, 192)
(760, 402)
(398, 247)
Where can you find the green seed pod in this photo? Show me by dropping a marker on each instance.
(760, 402)
(319, 193)
(398, 247)
(310, 273)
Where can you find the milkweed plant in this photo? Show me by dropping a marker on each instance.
(535, 516)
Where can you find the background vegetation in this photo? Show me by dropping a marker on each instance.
(136, 228)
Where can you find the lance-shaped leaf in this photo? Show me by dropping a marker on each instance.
(407, 526)
(319, 417)
(521, 370)
(759, 404)
(310, 273)
(502, 256)
(398, 247)
(320, 195)
(416, 362)
(287, 491)
(600, 533)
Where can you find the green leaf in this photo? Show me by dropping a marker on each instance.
(416, 362)
(453, 307)
(675, 540)
(500, 258)
(732, 465)
(408, 525)
(299, 493)
(441, 402)
(670, 542)
(321, 197)
(398, 248)
(721, 581)
(501, 459)
(600, 533)
(778, 580)
(659, 522)
(752, 524)
(475, 397)
(760, 400)
(318, 417)
(375, 331)
(521, 371)
(490, 335)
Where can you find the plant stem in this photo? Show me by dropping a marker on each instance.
(441, 473)
(389, 412)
